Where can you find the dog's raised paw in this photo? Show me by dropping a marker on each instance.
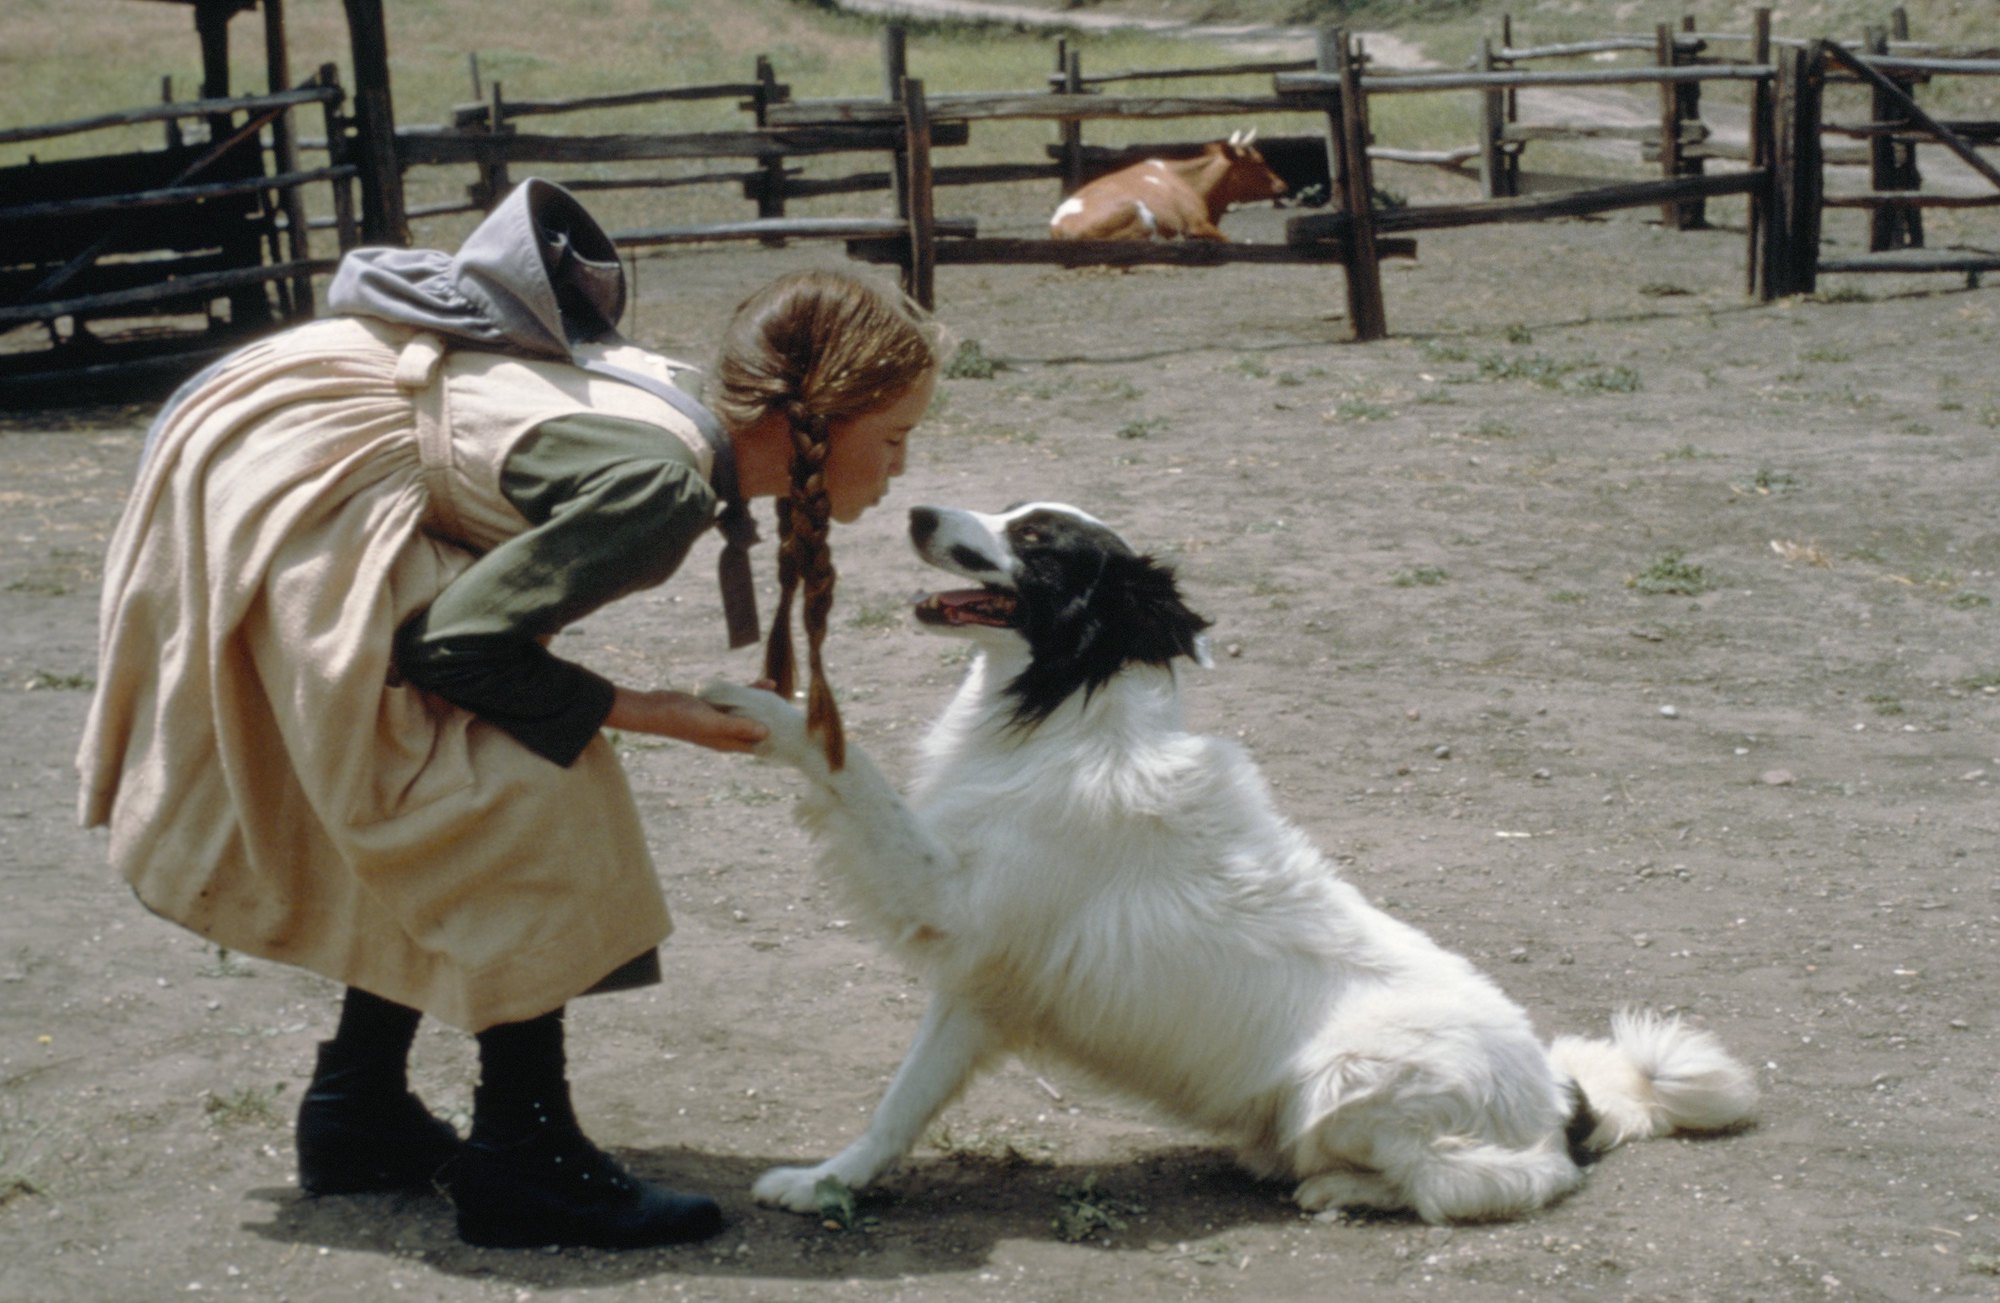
(795, 1189)
(787, 723)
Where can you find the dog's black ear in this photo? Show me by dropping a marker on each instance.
(1087, 626)
(1160, 626)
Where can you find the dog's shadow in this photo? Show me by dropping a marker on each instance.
(935, 1215)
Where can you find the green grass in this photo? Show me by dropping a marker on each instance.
(1671, 575)
(245, 1106)
(972, 362)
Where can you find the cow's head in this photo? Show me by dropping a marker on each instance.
(1248, 179)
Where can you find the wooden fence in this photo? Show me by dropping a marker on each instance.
(214, 228)
(1778, 174)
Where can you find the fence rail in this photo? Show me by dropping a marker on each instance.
(1778, 173)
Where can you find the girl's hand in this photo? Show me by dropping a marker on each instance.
(685, 717)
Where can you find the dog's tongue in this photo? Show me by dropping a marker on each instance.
(967, 606)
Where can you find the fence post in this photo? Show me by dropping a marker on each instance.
(1892, 164)
(1796, 162)
(1757, 219)
(494, 179)
(1678, 104)
(338, 154)
(1072, 128)
(1510, 155)
(1349, 131)
(384, 220)
(771, 170)
(1492, 115)
(920, 271)
(895, 70)
(1694, 212)
(285, 158)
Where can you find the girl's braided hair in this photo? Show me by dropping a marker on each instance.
(818, 347)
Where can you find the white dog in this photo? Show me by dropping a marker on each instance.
(1080, 879)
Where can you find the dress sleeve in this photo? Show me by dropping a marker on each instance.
(613, 506)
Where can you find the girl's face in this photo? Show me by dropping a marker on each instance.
(865, 452)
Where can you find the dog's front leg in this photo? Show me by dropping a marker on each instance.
(951, 1044)
(891, 861)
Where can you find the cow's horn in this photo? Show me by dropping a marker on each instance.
(1236, 138)
(1249, 136)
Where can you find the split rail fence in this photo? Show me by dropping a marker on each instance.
(1778, 173)
(186, 192)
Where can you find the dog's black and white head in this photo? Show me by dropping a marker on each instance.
(1064, 584)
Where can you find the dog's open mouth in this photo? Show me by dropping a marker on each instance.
(967, 606)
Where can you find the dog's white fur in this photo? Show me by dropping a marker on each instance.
(1113, 892)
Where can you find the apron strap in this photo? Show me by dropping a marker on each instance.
(417, 376)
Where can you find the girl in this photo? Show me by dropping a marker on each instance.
(328, 730)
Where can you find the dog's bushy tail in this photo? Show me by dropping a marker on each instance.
(1655, 1076)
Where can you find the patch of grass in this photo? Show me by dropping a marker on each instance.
(1610, 380)
(1084, 1212)
(1120, 389)
(1884, 703)
(1687, 452)
(245, 1106)
(1827, 353)
(1254, 367)
(1536, 368)
(839, 1210)
(1419, 577)
(1663, 290)
(1671, 575)
(1969, 601)
(1142, 427)
(1841, 294)
(884, 616)
(972, 362)
(1569, 597)
(14, 1185)
(43, 681)
(991, 1149)
(1767, 482)
(1360, 409)
(36, 586)
(1516, 333)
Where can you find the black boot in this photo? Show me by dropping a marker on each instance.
(528, 1176)
(359, 1133)
(360, 1130)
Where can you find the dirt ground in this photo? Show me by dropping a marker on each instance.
(1634, 639)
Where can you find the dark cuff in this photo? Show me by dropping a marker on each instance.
(551, 706)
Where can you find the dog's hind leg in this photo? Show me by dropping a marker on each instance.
(952, 1043)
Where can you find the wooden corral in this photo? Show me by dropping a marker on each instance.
(117, 236)
(139, 265)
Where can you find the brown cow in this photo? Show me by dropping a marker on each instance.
(1167, 199)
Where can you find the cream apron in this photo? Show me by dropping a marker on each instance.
(267, 782)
